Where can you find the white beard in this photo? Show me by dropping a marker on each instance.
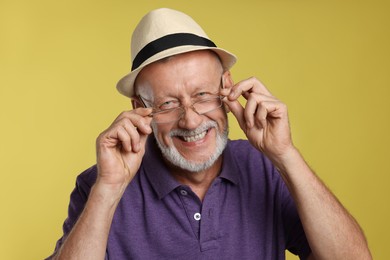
(174, 157)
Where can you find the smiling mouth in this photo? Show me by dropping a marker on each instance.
(194, 138)
(195, 135)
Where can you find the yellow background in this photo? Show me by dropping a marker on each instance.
(60, 60)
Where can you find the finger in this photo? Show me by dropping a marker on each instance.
(137, 128)
(251, 85)
(134, 136)
(143, 125)
(268, 110)
(127, 133)
(143, 112)
(139, 122)
(247, 95)
(253, 106)
(238, 111)
(224, 92)
(143, 139)
(260, 118)
(123, 138)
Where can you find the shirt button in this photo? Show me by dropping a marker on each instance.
(184, 192)
(197, 216)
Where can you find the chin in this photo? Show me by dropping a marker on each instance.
(172, 154)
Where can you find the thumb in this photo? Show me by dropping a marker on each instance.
(237, 110)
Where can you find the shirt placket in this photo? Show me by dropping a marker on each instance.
(209, 226)
(203, 218)
(192, 206)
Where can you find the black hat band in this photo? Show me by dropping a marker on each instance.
(168, 42)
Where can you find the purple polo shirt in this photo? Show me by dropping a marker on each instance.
(247, 212)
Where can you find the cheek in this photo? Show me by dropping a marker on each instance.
(221, 119)
(161, 133)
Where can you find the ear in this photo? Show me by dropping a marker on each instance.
(227, 83)
(136, 102)
(227, 79)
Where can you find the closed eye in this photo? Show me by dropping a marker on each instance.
(203, 95)
(169, 104)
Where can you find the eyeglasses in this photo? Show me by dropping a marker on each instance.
(174, 111)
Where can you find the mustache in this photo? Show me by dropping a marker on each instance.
(203, 127)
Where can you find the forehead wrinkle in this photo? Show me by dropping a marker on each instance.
(184, 85)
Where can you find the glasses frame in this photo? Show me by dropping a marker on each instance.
(182, 108)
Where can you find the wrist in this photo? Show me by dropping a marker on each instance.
(106, 194)
(291, 161)
(293, 168)
(288, 157)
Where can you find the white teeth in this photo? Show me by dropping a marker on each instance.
(195, 138)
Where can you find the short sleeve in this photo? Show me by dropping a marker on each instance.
(296, 241)
(78, 198)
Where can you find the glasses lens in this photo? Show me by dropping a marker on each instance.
(207, 105)
(167, 116)
(173, 115)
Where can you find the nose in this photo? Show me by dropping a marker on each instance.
(190, 119)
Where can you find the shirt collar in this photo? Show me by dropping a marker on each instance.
(163, 182)
(229, 170)
(156, 170)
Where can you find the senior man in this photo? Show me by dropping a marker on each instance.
(168, 184)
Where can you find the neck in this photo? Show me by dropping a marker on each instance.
(199, 182)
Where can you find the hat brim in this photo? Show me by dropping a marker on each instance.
(125, 85)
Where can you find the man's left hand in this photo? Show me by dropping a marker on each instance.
(264, 119)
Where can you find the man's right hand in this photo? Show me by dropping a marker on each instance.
(120, 149)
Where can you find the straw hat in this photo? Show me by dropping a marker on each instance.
(162, 33)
